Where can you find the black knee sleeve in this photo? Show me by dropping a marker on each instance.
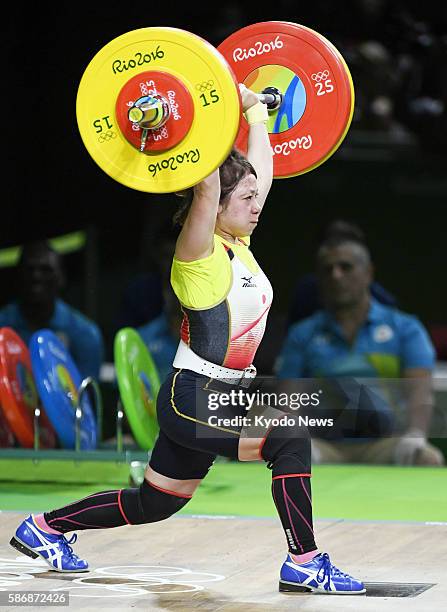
(149, 504)
(287, 449)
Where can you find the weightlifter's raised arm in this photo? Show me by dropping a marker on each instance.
(259, 151)
(196, 237)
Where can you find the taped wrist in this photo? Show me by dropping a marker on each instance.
(257, 113)
(149, 504)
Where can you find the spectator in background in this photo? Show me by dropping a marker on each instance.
(40, 279)
(306, 298)
(377, 82)
(355, 336)
(396, 55)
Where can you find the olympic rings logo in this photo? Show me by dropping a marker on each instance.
(113, 581)
(148, 88)
(160, 133)
(106, 136)
(320, 76)
(147, 92)
(204, 86)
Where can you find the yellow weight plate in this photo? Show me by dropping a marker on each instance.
(213, 89)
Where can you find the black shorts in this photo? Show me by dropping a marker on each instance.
(188, 443)
(201, 418)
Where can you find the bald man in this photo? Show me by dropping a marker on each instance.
(354, 338)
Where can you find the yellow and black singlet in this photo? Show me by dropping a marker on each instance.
(225, 300)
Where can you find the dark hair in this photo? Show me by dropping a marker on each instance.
(343, 230)
(231, 172)
(36, 246)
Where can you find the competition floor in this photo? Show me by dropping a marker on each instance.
(385, 525)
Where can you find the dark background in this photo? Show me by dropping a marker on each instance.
(389, 175)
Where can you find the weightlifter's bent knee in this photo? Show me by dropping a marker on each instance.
(287, 449)
(149, 503)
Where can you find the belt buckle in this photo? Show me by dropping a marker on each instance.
(248, 374)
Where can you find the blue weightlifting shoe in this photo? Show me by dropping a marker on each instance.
(318, 575)
(55, 549)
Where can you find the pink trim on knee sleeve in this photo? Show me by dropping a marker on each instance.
(121, 508)
(169, 492)
(291, 476)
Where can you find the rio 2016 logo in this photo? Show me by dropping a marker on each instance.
(259, 48)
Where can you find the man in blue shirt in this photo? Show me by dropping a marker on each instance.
(355, 337)
(306, 299)
(38, 306)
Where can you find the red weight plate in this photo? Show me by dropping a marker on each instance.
(18, 395)
(180, 104)
(314, 79)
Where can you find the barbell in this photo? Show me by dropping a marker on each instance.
(159, 109)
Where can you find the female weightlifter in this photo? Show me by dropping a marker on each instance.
(225, 298)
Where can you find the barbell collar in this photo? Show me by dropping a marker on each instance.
(272, 97)
(149, 112)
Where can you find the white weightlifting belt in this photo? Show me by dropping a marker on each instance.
(187, 359)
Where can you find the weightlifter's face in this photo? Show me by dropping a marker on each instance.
(241, 214)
